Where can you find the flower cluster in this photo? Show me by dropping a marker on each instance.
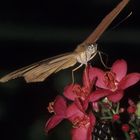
(132, 127)
(98, 98)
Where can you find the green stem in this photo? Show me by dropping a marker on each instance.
(108, 117)
(127, 136)
(135, 128)
(117, 109)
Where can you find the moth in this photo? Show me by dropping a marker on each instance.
(83, 53)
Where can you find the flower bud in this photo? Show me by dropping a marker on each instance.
(125, 127)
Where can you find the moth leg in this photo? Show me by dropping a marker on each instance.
(101, 59)
(74, 71)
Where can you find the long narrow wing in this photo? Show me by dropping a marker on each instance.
(39, 71)
(95, 35)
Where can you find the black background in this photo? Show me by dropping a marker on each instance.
(33, 30)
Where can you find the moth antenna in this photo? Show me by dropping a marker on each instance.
(122, 21)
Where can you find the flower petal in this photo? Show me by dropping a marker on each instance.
(52, 122)
(80, 104)
(99, 74)
(80, 133)
(60, 106)
(98, 94)
(116, 96)
(95, 106)
(91, 127)
(73, 111)
(129, 80)
(119, 67)
(68, 91)
(86, 80)
(84, 132)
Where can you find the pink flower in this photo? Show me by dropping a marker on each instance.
(83, 123)
(111, 84)
(59, 108)
(74, 91)
(77, 92)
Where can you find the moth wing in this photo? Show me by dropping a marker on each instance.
(95, 35)
(39, 71)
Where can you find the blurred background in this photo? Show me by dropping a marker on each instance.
(34, 30)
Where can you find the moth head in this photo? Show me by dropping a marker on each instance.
(92, 48)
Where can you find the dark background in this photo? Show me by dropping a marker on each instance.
(33, 30)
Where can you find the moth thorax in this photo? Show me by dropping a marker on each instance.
(84, 57)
